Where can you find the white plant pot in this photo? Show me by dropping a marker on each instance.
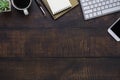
(9, 7)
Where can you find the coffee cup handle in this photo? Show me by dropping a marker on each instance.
(26, 12)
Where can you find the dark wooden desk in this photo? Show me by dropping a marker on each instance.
(35, 47)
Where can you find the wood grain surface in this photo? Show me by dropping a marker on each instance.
(59, 69)
(35, 47)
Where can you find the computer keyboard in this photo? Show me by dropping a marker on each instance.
(95, 8)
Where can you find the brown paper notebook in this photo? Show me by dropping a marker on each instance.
(73, 2)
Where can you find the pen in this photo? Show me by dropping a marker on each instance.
(40, 6)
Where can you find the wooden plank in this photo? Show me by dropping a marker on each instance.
(58, 43)
(60, 69)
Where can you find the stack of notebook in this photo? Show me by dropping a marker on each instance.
(57, 8)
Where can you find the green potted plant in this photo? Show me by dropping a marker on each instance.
(5, 5)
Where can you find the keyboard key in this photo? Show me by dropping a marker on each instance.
(95, 14)
(85, 4)
(99, 4)
(95, 5)
(102, 7)
(106, 6)
(98, 8)
(94, 9)
(110, 5)
(107, 2)
(87, 16)
(90, 3)
(97, 1)
(110, 10)
(83, 1)
(91, 15)
(93, 2)
(91, 6)
(99, 13)
(86, 7)
(88, 11)
(118, 3)
(103, 3)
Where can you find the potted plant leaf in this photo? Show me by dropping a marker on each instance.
(5, 6)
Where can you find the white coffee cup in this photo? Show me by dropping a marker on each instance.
(23, 9)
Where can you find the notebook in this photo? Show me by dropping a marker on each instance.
(57, 6)
(56, 16)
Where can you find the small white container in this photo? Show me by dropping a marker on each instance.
(9, 7)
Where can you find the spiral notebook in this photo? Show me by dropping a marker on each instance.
(74, 3)
(57, 6)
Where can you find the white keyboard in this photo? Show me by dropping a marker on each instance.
(95, 8)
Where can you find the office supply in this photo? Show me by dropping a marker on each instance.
(95, 8)
(57, 6)
(74, 3)
(40, 6)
